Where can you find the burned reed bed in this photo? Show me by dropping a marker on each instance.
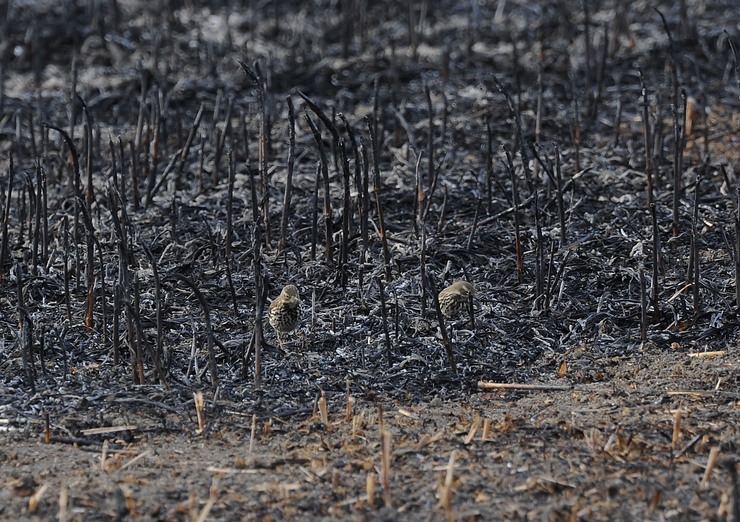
(165, 172)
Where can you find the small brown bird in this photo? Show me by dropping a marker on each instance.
(285, 312)
(455, 298)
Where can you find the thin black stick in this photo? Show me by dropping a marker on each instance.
(365, 197)
(381, 221)
(88, 211)
(489, 164)
(474, 228)
(656, 262)
(67, 296)
(135, 175)
(647, 137)
(122, 188)
(222, 139)
(643, 305)
(384, 315)
(419, 200)
(430, 144)
(517, 224)
(618, 115)
(737, 248)
(37, 217)
(76, 164)
(525, 155)
(328, 225)
(423, 270)
(561, 203)
(141, 340)
(213, 368)
(230, 230)
(259, 286)
(357, 171)
(137, 145)
(695, 268)
(289, 177)
(576, 127)
(5, 248)
(25, 325)
(315, 212)
(257, 78)
(159, 352)
(346, 212)
(183, 155)
(440, 318)
(679, 136)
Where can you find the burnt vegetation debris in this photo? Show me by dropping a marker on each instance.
(165, 172)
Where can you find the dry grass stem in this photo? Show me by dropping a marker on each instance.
(136, 459)
(350, 403)
(486, 435)
(63, 501)
(385, 460)
(473, 429)
(103, 455)
(711, 463)
(706, 355)
(110, 429)
(323, 413)
(211, 501)
(198, 398)
(253, 433)
(445, 497)
(33, 501)
(370, 488)
(676, 429)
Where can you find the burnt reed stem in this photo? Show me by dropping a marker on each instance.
(221, 143)
(36, 235)
(695, 271)
(643, 305)
(737, 249)
(489, 164)
(289, 176)
(423, 270)
(656, 263)
(365, 197)
(230, 230)
(430, 144)
(384, 316)
(381, 221)
(328, 224)
(618, 113)
(259, 284)
(517, 223)
(5, 247)
(474, 228)
(212, 367)
(679, 136)
(419, 200)
(576, 127)
(67, 296)
(442, 328)
(133, 312)
(647, 137)
(315, 212)
(561, 202)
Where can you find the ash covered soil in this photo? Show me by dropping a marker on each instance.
(128, 265)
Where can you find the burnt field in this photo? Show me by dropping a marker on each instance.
(167, 169)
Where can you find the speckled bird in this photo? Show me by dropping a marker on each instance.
(285, 312)
(455, 298)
